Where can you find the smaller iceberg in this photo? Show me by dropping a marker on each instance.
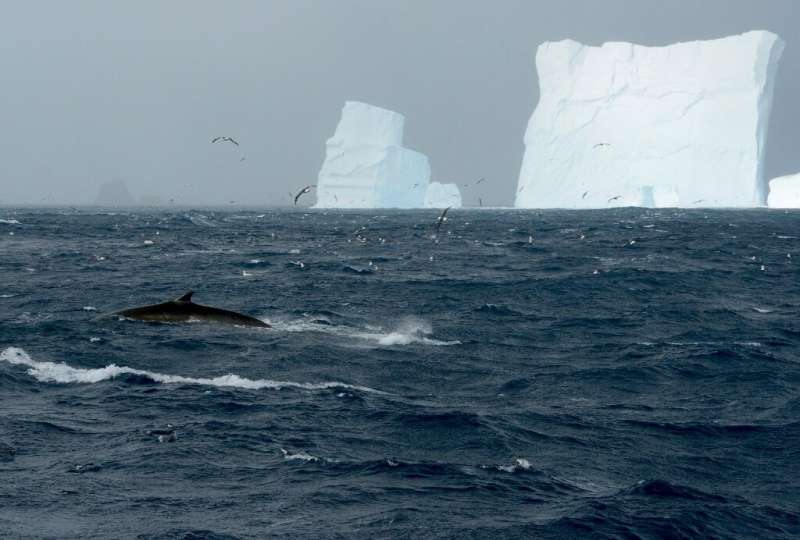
(366, 165)
(784, 192)
(442, 195)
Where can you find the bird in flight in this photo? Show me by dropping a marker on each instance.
(225, 139)
(302, 191)
(481, 179)
(598, 145)
(615, 198)
(441, 219)
(585, 193)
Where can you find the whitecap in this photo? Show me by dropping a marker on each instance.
(520, 464)
(299, 456)
(64, 373)
(10, 222)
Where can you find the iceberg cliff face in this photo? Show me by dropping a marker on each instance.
(784, 192)
(442, 195)
(366, 165)
(623, 124)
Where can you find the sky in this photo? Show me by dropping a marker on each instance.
(94, 91)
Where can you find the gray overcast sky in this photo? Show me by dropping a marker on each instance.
(95, 90)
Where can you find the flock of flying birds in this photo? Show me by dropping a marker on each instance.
(307, 189)
(441, 219)
(233, 141)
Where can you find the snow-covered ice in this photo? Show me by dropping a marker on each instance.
(623, 124)
(784, 192)
(366, 165)
(442, 195)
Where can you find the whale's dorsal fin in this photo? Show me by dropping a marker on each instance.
(185, 298)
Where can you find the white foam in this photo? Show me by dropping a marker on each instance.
(411, 330)
(10, 221)
(64, 373)
(299, 456)
(520, 464)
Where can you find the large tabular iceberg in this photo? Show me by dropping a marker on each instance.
(623, 124)
(366, 165)
(442, 195)
(784, 192)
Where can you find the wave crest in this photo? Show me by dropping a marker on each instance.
(65, 374)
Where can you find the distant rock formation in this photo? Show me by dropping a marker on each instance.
(114, 193)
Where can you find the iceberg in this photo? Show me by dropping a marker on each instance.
(442, 195)
(629, 125)
(366, 165)
(784, 192)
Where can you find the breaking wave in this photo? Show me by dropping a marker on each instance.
(63, 373)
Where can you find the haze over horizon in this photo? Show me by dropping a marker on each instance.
(95, 92)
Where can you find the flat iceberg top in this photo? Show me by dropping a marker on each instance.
(362, 124)
(597, 71)
(625, 124)
(784, 192)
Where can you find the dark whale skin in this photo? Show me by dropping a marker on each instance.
(183, 310)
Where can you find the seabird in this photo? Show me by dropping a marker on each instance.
(481, 179)
(615, 198)
(224, 139)
(441, 219)
(584, 194)
(601, 144)
(302, 191)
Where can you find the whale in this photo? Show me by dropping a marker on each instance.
(182, 310)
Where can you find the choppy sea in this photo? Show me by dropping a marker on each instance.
(625, 373)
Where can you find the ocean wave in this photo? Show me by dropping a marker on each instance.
(664, 489)
(9, 222)
(63, 373)
(497, 310)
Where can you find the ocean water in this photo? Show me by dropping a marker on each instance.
(614, 374)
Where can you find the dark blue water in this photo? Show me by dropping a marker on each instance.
(611, 374)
